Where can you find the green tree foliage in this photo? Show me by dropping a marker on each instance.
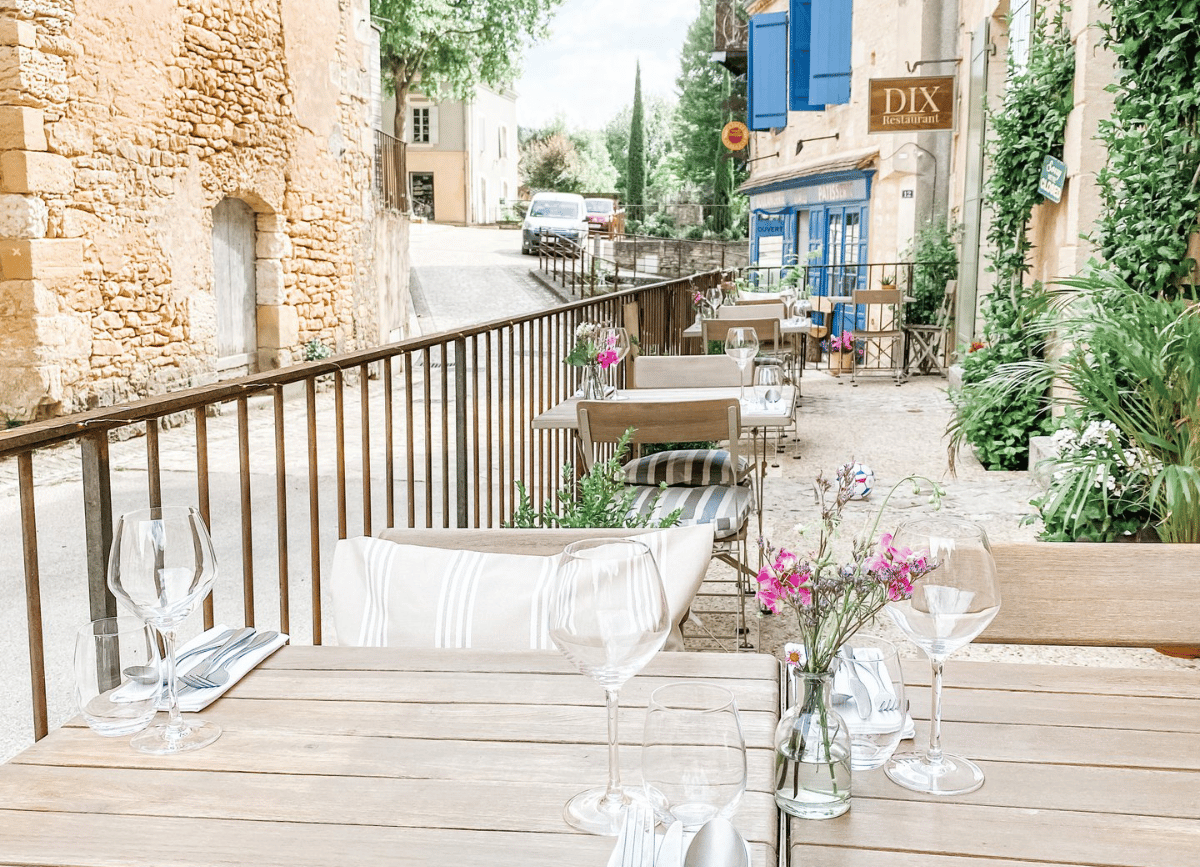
(1150, 188)
(936, 261)
(635, 174)
(722, 212)
(659, 125)
(567, 162)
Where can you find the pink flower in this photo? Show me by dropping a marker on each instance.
(607, 358)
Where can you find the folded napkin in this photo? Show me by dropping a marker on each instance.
(876, 721)
(192, 700)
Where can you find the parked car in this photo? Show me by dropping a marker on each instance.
(554, 215)
(604, 216)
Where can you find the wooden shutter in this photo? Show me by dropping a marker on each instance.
(799, 35)
(767, 77)
(829, 75)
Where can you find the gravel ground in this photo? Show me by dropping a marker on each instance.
(896, 431)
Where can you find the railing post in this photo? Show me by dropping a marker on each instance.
(97, 521)
(460, 429)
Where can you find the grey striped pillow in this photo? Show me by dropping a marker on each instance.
(690, 467)
(722, 506)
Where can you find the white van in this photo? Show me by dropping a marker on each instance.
(561, 214)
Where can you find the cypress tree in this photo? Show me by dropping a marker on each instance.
(636, 175)
(722, 218)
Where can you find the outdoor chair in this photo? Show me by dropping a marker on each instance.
(688, 371)
(882, 338)
(772, 309)
(484, 589)
(771, 343)
(710, 485)
(928, 346)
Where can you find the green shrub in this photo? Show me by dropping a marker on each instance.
(935, 261)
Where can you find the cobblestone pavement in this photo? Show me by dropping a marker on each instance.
(898, 431)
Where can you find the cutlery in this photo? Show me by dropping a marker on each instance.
(635, 843)
(873, 666)
(149, 675)
(717, 844)
(217, 675)
(237, 641)
(670, 853)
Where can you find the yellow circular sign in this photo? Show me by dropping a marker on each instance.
(735, 135)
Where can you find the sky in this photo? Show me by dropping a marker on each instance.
(585, 69)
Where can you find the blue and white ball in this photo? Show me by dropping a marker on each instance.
(862, 481)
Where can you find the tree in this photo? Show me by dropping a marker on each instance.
(636, 173)
(449, 46)
(722, 213)
(575, 162)
(658, 123)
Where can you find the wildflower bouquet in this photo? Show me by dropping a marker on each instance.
(593, 346)
(834, 596)
(843, 342)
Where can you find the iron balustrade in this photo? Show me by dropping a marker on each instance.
(278, 470)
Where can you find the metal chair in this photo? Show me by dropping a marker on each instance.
(882, 339)
(928, 346)
(771, 343)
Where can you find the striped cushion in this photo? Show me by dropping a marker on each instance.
(694, 467)
(722, 506)
(387, 594)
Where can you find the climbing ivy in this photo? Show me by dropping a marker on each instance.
(1151, 184)
(1028, 125)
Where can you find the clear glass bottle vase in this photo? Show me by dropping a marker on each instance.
(812, 753)
(593, 384)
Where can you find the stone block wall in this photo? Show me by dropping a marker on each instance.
(122, 125)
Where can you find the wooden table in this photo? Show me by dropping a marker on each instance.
(562, 416)
(351, 756)
(1085, 766)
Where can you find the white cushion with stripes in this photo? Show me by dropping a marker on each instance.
(724, 507)
(694, 467)
(388, 594)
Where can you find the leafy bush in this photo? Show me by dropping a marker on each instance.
(599, 498)
(935, 262)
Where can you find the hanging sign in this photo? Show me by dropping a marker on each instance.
(735, 135)
(915, 104)
(1054, 175)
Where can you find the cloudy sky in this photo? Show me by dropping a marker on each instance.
(585, 69)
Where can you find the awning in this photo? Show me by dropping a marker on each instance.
(797, 174)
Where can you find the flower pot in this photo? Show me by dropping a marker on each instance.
(841, 362)
(812, 753)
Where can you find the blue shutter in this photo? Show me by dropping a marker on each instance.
(767, 77)
(799, 32)
(829, 73)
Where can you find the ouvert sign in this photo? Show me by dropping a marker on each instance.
(916, 104)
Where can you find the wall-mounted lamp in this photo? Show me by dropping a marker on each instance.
(800, 144)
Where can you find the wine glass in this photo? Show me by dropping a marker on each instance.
(161, 564)
(608, 615)
(741, 344)
(693, 753)
(949, 607)
(715, 297)
(615, 339)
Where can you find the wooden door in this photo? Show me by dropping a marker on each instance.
(234, 285)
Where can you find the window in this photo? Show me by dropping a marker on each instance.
(502, 142)
(420, 125)
(1020, 23)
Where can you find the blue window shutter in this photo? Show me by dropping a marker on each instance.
(829, 72)
(799, 33)
(767, 74)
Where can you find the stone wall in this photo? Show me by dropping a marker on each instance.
(670, 257)
(122, 125)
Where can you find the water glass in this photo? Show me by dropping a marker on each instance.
(768, 384)
(869, 669)
(112, 702)
(693, 753)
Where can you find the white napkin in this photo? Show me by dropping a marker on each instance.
(190, 700)
(877, 721)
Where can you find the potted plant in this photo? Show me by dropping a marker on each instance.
(841, 353)
(887, 281)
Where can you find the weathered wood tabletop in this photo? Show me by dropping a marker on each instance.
(353, 756)
(562, 416)
(1085, 766)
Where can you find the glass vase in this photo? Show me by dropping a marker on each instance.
(593, 385)
(812, 753)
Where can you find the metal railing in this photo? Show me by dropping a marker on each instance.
(389, 181)
(432, 431)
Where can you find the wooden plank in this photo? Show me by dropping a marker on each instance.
(1054, 836)
(473, 804)
(839, 856)
(1060, 678)
(286, 753)
(561, 416)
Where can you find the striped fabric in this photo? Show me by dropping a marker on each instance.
(724, 507)
(387, 594)
(692, 467)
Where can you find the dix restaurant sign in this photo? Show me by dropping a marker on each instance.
(914, 104)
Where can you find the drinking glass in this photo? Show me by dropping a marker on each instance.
(949, 607)
(768, 383)
(741, 344)
(693, 753)
(715, 298)
(616, 339)
(868, 690)
(161, 564)
(608, 615)
(111, 702)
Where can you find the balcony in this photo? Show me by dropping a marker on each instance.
(730, 36)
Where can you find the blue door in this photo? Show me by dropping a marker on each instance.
(837, 243)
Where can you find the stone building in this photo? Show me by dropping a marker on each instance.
(185, 194)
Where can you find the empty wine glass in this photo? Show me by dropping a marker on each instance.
(768, 384)
(608, 615)
(741, 344)
(614, 339)
(693, 753)
(715, 297)
(161, 564)
(949, 607)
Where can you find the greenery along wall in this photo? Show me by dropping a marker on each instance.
(1026, 127)
(1151, 184)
